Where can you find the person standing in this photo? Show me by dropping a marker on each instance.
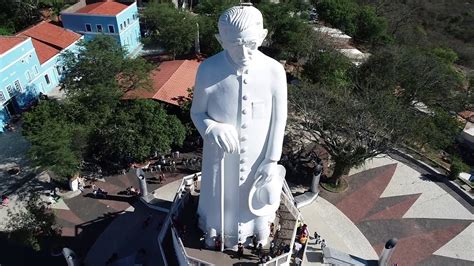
(240, 250)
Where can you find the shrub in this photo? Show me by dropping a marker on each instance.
(457, 166)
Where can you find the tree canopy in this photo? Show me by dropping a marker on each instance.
(175, 30)
(351, 123)
(359, 21)
(93, 123)
(138, 129)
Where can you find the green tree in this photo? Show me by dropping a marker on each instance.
(175, 30)
(208, 14)
(32, 225)
(352, 124)
(207, 30)
(289, 36)
(95, 92)
(138, 129)
(415, 75)
(55, 141)
(214, 8)
(64, 134)
(360, 21)
(329, 67)
(339, 13)
(370, 27)
(438, 130)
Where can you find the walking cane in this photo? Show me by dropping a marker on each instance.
(222, 201)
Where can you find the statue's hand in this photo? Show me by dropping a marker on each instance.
(267, 169)
(225, 136)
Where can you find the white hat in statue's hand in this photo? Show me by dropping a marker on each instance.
(264, 197)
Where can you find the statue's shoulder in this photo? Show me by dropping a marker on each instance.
(214, 62)
(273, 65)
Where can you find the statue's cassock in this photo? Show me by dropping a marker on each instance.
(248, 101)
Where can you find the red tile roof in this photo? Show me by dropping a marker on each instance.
(467, 115)
(171, 82)
(8, 42)
(103, 8)
(51, 34)
(44, 51)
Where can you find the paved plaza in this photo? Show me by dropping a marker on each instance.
(386, 199)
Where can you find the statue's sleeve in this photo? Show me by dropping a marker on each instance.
(279, 115)
(199, 106)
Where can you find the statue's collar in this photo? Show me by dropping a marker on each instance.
(235, 69)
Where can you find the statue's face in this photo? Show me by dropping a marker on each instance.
(242, 46)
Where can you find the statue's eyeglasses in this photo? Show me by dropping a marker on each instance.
(251, 44)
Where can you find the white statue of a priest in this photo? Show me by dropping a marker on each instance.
(240, 109)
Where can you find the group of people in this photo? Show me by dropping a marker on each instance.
(131, 190)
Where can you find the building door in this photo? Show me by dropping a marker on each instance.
(11, 106)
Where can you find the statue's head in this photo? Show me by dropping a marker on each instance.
(241, 32)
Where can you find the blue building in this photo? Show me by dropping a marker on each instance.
(30, 63)
(117, 20)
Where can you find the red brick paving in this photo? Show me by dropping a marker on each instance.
(380, 219)
(396, 211)
(413, 249)
(68, 215)
(68, 231)
(125, 180)
(356, 205)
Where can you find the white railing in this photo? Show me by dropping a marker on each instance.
(287, 190)
(178, 203)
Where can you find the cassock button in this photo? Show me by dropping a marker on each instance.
(245, 81)
(244, 125)
(243, 150)
(246, 71)
(244, 138)
(244, 111)
(245, 97)
(242, 178)
(243, 169)
(243, 160)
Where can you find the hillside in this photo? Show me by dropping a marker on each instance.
(431, 23)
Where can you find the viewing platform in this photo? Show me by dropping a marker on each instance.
(181, 234)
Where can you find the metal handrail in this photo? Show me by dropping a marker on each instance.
(287, 190)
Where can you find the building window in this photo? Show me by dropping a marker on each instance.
(10, 91)
(125, 24)
(2, 97)
(88, 27)
(121, 26)
(46, 77)
(111, 29)
(59, 69)
(99, 28)
(28, 75)
(18, 85)
(36, 70)
(128, 21)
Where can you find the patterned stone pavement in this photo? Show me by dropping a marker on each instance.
(386, 199)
